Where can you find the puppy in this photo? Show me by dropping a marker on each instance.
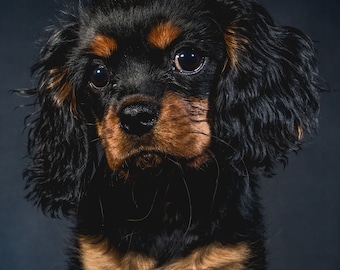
(157, 119)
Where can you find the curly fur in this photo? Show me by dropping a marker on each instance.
(257, 91)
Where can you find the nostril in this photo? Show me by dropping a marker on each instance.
(138, 118)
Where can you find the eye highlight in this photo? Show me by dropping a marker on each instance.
(188, 61)
(99, 77)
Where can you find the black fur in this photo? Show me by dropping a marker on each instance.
(261, 98)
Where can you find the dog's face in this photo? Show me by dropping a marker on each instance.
(168, 81)
(147, 79)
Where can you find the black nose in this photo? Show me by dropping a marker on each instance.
(138, 118)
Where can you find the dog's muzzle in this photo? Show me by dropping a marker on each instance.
(143, 135)
(138, 119)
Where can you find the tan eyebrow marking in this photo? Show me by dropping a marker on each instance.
(163, 34)
(103, 46)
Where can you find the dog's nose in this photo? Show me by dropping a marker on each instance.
(138, 118)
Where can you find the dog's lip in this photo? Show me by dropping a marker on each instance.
(148, 159)
(150, 164)
(145, 164)
(144, 160)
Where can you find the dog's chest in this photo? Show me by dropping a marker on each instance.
(98, 256)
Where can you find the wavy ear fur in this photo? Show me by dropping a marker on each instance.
(58, 139)
(267, 97)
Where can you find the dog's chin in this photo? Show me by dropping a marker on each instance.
(151, 164)
(146, 164)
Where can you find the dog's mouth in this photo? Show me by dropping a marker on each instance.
(150, 164)
(147, 163)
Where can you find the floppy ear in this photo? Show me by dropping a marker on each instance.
(267, 97)
(58, 140)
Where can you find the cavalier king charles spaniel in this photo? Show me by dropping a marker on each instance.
(156, 120)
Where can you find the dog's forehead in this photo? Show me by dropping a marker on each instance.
(158, 25)
(160, 36)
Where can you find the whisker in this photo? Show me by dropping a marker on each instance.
(95, 140)
(190, 207)
(200, 133)
(189, 198)
(247, 174)
(133, 196)
(148, 214)
(130, 236)
(101, 211)
(216, 181)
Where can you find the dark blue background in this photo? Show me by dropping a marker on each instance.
(302, 204)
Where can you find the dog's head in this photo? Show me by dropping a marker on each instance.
(153, 81)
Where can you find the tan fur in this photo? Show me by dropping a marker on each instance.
(234, 45)
(64, 91)
(213, 257)
(96, 255)
(103, 46)
(299, 131)
(182, 130)
(163, 34)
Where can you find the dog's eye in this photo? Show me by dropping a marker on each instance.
(187, 61)
(100, 77)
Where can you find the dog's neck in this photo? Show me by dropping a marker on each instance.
(175, 205)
